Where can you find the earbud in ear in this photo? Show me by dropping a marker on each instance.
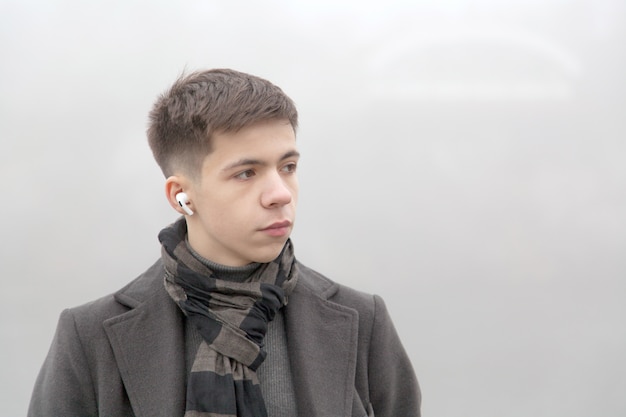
(183, 200)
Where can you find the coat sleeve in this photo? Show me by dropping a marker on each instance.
(64, 386)
(394, 390)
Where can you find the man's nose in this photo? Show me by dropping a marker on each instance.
(276, 192)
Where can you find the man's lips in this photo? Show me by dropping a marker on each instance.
(278, 229)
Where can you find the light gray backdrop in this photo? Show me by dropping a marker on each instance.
(464, 159)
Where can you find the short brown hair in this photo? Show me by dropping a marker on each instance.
(197, 105)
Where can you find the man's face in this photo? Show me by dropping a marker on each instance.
(245, 197)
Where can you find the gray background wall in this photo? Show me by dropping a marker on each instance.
(464, 159)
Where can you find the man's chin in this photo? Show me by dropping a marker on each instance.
(269, 253)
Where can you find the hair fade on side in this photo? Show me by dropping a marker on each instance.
(184, 118)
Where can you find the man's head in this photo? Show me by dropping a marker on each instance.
(184, 119)
(227, 140)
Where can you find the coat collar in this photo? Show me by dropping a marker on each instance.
(148, 344)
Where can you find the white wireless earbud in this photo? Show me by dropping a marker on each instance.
(183, 200)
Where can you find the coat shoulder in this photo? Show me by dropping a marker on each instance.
(140, 289)
(334, 292)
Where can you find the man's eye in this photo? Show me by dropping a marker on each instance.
(244, 175)
(290, 167)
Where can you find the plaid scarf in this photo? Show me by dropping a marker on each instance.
(232, 318)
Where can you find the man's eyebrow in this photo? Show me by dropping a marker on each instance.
(290, 154)
(249, 161)
(243, 162)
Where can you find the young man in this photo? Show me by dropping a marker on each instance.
(227, 322)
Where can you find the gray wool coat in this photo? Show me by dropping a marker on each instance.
(123, 355)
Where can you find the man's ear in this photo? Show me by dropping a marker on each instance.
(175, 185)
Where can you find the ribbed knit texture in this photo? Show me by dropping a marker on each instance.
(275, 372)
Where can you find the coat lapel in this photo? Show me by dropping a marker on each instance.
(148, 344)
(322, 341)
